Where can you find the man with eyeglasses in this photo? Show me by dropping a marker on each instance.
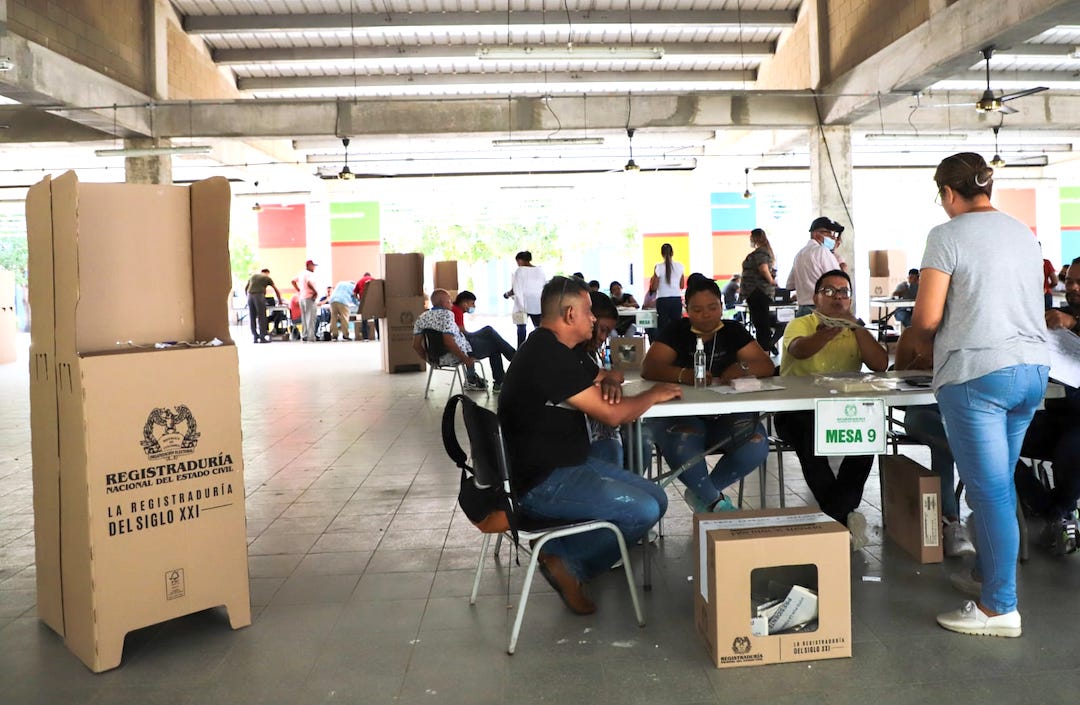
(549, 389)
(826, 341)
(814, 259)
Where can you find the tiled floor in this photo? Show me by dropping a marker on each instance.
(360, 568)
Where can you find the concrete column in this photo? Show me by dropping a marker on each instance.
(818, 26)
(147, 170)
(157, 49)
(830, 185)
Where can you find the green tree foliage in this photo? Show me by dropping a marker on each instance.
(13, 257)
(482, 242)
(241, 259)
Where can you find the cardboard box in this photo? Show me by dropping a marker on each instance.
(396, 334)
(739, 553)
(912, 507)
(888, 263)
(373, 302)
(627, 353)
(403, 274)
(885, 286)
(446, 275)
(138, 468)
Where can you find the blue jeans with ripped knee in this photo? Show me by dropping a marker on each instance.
(685, 440)
(590, 491)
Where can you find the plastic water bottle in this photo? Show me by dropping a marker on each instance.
(699, 364)
(607, 357)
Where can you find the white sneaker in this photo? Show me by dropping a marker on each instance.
(856, 524)
(969, 619)
(956, 539)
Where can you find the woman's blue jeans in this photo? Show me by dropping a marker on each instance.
(923, 423)
(595, 490)
(686, 438)
(985, 420)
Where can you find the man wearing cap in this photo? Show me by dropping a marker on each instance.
(304, 283)
(813, 260)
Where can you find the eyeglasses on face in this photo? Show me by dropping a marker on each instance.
(834, 293)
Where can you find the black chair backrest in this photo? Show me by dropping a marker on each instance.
(491, 466)
(434, 345)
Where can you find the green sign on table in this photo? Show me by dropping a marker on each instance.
(849, 426)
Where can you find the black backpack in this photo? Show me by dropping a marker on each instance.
(484, 500)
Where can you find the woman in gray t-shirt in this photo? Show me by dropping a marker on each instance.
(980, 303)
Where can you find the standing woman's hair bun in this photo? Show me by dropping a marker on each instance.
(966, 173)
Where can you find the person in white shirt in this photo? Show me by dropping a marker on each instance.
(813, 260)
(304, 283)
(668, 281)
(527, 283)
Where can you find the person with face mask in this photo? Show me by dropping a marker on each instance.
(486, 343)
(814, 259)
(730, 352)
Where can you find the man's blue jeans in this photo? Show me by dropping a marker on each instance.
(923, 423)
(595, 490)
(488, 345)
(684, 439)
(985, 420)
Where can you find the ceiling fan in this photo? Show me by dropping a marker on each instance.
(991, 102)
(632, 167)
(345, 174)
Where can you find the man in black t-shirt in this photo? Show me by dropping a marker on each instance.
(548, 390)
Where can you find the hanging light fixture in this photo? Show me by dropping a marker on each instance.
(746, 174)
(345, 173)
(631, 165)
(997, 162)
(256, 207)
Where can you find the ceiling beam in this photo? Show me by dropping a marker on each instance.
(755, 51)
(316, 118)
(43, 78)
(489, 79)
(380, 21)
(946, 44)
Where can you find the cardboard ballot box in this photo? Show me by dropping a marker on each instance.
(800, 556)
(912, 507)
(137, 458)
(396, 334)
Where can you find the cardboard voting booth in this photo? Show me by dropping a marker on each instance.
(403, 291)
(137, 460)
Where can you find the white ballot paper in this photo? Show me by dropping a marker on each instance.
(1065, 356)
